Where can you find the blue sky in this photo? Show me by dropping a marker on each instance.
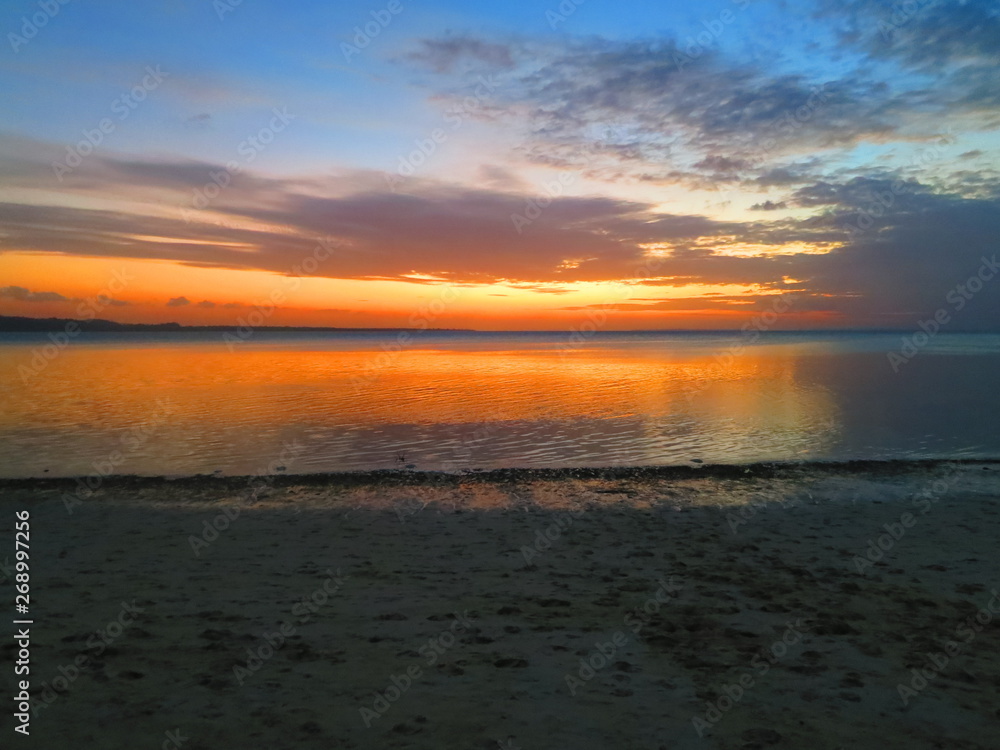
(261, 54)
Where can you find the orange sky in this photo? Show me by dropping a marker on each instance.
(147, 288)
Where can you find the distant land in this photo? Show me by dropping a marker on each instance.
(19, 324)
(16, 324)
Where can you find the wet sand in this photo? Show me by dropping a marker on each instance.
(716, 607)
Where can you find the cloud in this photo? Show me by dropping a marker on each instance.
(646, 101)
(901, 264)
(21, 294)
(500, 178)
(105, 300)
(445, 55)
(954, 46)
(723, 164)
(796, 136)
(924, 34)
(721, 303)
(645, 110)
(199, 122)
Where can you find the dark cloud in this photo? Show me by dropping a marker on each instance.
(178, 302)
(644, 102)
(955, 44)
(105, 300)
(722, 164)
(647, 110)
(799, 173)
(21, 294)
(439, 231)
(745, 303)
(199, 122)
(858, 192)
(923, 34)
(447, 54)
(897, 264)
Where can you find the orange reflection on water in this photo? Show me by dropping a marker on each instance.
(231, 410)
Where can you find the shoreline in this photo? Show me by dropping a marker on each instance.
(757, 470)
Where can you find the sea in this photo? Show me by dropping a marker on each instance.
(187, 403)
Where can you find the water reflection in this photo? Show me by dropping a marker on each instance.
(482, 402)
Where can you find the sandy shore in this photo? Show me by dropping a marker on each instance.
(775, 607)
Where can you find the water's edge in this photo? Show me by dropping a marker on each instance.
(396, 477)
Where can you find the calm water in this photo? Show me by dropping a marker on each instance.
(186, 404)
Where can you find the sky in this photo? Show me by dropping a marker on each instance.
(517, 165)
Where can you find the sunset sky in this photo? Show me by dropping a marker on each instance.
(515, 165)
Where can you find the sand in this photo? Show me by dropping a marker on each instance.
(683, 608)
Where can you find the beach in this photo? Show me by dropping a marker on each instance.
(842, 605)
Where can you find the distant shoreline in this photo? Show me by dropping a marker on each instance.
(21, 324)
(18, 324)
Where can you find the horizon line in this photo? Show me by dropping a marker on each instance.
(175, 327)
